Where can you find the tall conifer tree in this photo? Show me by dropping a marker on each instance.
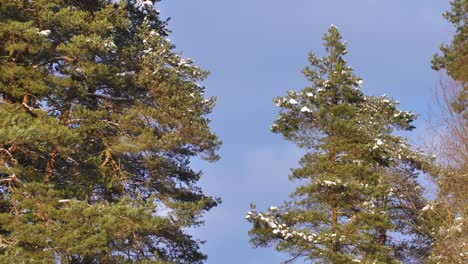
(99, 118)
(357, 180)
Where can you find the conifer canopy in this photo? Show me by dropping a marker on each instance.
(99, 120)
(358, 195)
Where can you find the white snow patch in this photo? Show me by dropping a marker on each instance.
(126, 73)
(44, 32)
(305, 109)
(427, 207)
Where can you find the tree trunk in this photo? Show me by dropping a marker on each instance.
(54, 154)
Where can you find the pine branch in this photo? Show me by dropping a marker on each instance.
(57, 59)
(74, 121)
(9, 153)
(108, 97)
(117, 126)
(295, 257)
(29, 109)
(12, 149)
(11, 179)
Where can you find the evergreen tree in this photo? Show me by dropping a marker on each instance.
(357, 180)
(99, 118)
(446, 218)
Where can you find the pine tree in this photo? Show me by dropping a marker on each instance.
(446, 218)
(99, 119)
(357, 182)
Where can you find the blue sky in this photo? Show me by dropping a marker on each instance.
(255, 50)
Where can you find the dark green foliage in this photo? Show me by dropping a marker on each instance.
(454, 57)
(99, 118)
(358, 197)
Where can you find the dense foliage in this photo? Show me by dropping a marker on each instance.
(358, 198)
(454, 56)
(99, 118)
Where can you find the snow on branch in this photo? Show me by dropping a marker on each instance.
(108, 97)
(270, 220)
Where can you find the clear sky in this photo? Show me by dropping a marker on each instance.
(255, 50)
